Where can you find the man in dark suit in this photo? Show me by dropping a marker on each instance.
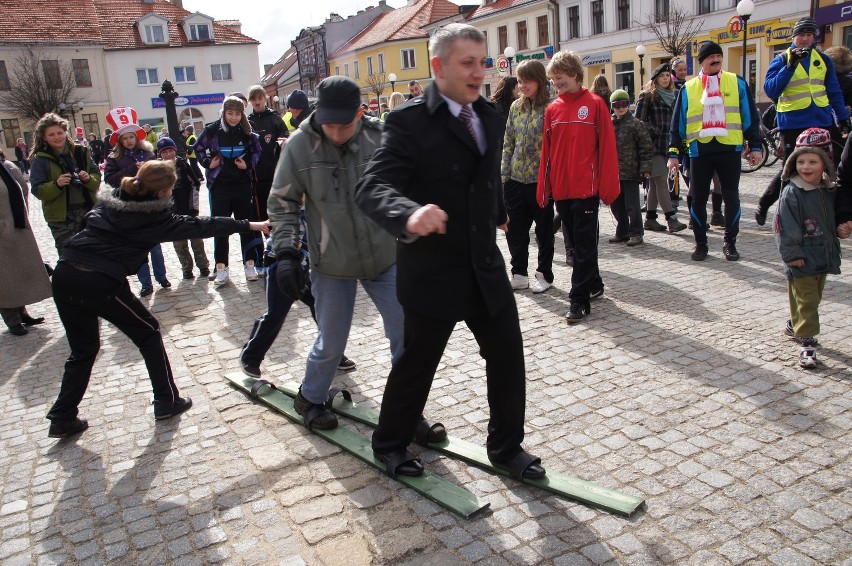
(435, 184)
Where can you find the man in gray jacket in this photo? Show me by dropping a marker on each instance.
(320, 165)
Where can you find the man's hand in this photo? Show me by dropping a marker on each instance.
(426, 220)
(844, 128)
(754, 157)
(844, 230)
(289, 274)
(796, 55)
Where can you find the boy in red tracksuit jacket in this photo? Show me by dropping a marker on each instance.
(579, 168)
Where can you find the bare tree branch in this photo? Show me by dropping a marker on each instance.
(35, 88)
(674, 29)
(375, 84)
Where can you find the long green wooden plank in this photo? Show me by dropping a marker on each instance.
(561, 484)
(434, 487)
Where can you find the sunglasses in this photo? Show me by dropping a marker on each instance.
(621, 104)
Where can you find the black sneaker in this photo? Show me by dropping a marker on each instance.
(316, 416)
(164, 410)
(188, 275)
(576, 313)
(597, 293)
(205, 272)
(346, 364)
(165, 283)
(788, 331)
(250, 370)
(569, 257)
(63, 429)
(759, 218)
(717, 219)
(730, 251)
(700, 253)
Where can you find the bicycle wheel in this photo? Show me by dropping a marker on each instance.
(776, 148)
(745, 166)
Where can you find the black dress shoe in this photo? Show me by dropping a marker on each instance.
(30, 321)
(18, 330)
(62, 429)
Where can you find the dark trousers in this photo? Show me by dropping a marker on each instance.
(410, 379)
(261, 189)
(82, 297)
(627, 210)
(193, 162)
(773, 191)
(523, 210)
(227, 201)
(266, 328)
(580, 222)
(727, 166)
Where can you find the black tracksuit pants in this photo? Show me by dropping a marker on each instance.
(580, 220)
(82, 297)
(229, 200)
(726, 165)
(523, 210)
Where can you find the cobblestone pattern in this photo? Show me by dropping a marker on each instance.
(679, 387)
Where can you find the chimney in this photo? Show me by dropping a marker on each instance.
(178, 3)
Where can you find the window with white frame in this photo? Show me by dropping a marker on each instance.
(381, 62)
(408, 59)
(147, 77)
(221, 72)
(573, 22)
(521, 32)
(346, 70)
(337, 70)
(155, 33)
(370, 71)
(356, 68)
(706, 6)
(597, 17)
(184, 74)
(623, 14)
(199, 32)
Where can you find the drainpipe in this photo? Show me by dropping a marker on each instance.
(554, 8)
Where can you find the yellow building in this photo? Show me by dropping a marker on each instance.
(392, 49)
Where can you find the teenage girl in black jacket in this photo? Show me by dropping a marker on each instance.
(90, 282)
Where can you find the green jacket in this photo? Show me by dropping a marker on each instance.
(635, 147)
(343, 242)
(522, 143)
(46, 168)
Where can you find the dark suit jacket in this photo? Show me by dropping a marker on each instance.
(429, 157)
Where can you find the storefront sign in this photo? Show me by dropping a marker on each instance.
(502, 64)
(773, 32)
(191, 100)
(597, 58)
(834, 13)
(546, 54)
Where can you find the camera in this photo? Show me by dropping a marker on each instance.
(801, 52)
(75, 180)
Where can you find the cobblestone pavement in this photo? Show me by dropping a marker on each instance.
(678, 387)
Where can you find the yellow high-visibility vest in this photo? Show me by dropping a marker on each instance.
(287, 117)
(729, 86)
(805, 86)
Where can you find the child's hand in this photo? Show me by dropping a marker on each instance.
(797, 263)
(240, 163)
(844, 230)
(214, 163)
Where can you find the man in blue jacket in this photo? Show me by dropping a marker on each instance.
(803, 81)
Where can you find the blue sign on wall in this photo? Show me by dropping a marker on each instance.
(191, 100)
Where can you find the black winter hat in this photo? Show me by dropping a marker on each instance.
(298, 100)
(707, 49)
(805, 25)
(664, 68)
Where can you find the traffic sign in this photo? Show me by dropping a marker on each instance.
(374, 105)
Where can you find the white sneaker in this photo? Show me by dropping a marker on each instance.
(221, 274)
(251, 271)
(520, 281)
(540, 285)
(807, 356)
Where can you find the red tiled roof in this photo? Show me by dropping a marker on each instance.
(99, 22)
(280, 67)
(118, 16)
(489, 9)
(401, 23)
(49, 22)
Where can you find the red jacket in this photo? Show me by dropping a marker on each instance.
(578, 156)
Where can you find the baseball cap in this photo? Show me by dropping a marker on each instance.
(338, 100)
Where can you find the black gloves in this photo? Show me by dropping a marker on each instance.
(797, 55)
(290, 274)
(844, 127)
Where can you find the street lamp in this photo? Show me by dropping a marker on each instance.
(640, 51)
(392, 79)
(509, 52)
(744, 9)
(74, 107)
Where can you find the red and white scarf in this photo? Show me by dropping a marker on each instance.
(713, 121)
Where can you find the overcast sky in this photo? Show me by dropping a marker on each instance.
(276, 24)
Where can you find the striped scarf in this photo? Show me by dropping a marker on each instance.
(713, 121)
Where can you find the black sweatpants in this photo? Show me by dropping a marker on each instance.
(523, 210)
(580, 221)
(236, 201)
(407, 389)
(82, 297)
(727, 166)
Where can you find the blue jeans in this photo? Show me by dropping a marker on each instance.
(335, 303)
(144, 273)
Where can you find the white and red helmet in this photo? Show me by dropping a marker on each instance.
(124, 120)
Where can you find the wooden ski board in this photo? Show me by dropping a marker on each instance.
(434, 487)
(560, 484)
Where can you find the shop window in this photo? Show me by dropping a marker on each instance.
(624, 78)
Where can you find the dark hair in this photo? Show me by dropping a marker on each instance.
(503, 95)
(534, 70)
(153, 177)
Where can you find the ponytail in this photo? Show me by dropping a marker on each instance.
(152, 177)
